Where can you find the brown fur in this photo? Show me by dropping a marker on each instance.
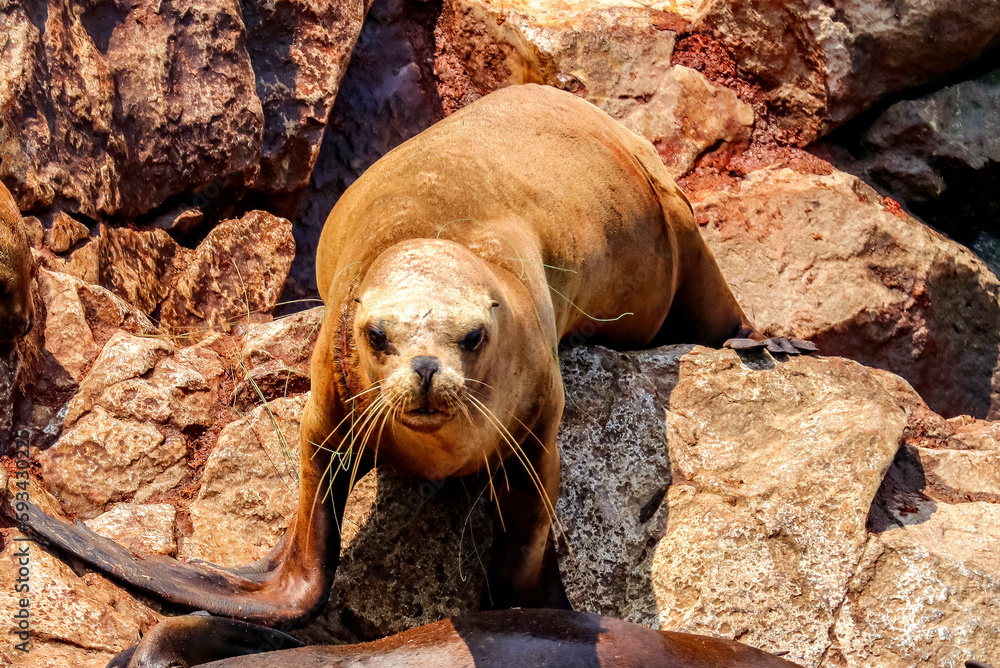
(17, 269)
(534, 200)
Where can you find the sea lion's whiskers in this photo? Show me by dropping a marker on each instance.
(532, 474)
(461, 537)
(321, 446)
(519, 453)
(326, 475)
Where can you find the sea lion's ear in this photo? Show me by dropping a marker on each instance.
(494, 304)
(357, 299)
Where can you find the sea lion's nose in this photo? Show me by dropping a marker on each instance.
(425, 367)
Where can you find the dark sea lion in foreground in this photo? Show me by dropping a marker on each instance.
(496, 639)
(17, 269)
(451, 272)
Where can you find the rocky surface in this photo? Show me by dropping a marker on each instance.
(299, 50)
(939, 156)
(236, 273)
(794, 504)
(108, 111)
(823, 257)
(616, 55)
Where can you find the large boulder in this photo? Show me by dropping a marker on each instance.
(809, 65)
(939, 155)
(111, 108)
(818, 254)
(107, 108)
(614, 54)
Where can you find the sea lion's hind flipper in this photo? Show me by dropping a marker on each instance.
(778, 344)
(194, 640)
(193, 585)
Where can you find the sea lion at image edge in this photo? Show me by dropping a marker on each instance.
(496, 639)
(17, 269)
(451, 271)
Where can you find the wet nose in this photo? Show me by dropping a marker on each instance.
(425, 367)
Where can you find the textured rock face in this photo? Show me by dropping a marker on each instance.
(616, 55)
(74, 621)
(939, 154)
(236, 273)
(113, 107)
(142, 528)
(815, 64)
(821, 257)
(107, 106)
(249, 488)
(767, 514)
(777, 526)
(821, 63)
(299, 50)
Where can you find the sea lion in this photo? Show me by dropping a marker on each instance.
(451, 272)
(17, 270)
(496, 639)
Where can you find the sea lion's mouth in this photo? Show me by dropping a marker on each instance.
(425, 418)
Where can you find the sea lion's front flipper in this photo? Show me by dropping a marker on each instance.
(197, 639)
(287, 587)
(523, 568)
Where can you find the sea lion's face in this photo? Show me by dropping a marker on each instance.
(17, 269)
(424, 329)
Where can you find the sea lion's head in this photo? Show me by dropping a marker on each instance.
(17, 269)
(425, 331)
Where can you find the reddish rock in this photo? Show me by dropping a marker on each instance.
(820, 63)
(138, 266)
(107, 106)
(819, 256)
(299, 50)
(235, 274)
(65, 232)
(141, 528)
(614, 54)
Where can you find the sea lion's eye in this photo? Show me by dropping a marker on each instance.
(377, 338)
(472, 340)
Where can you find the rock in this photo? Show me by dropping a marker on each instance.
(65, 232)
(100, 459)
(612, 430)
(83, 262)
(289, 340)
(124, 357)
(267, 382)
(939, 155)
(926, 589)
(387, 96)
(772, 491)
(182, 220)
(249, 488)
(138, 266)
(299, 50)
(616, 55)
(235, 274)
(821, 63)
(68, 337)
(140, 528)
(106, 110)
(74, 622)
(820, 256)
